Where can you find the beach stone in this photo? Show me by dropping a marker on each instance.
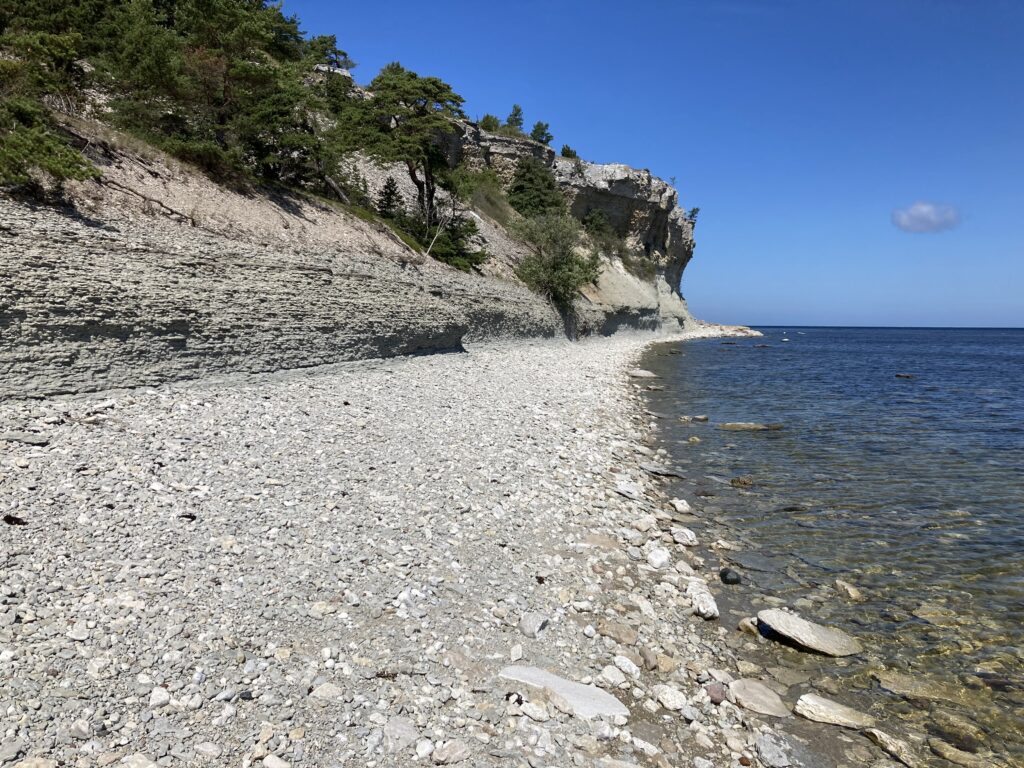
(659, 558)
(620, 633)
(584, 701)
(273, 761)
(826, 640)
(748, 426)
(327, 692)
(399, 733)
(895, 747)
(716, 692)
(139, 760)
(670, 698)
(684, 536)
(822, 710)
(532, 623)
(640, 373)
(772, 751)
(9, 750)
(758, 697)
(612, 676)
(159, 697)
(701, 599)
(682, 506)
(454, 751)
(26, 438)
(36, 762)
(729, 576)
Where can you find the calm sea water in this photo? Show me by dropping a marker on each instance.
(910, 488)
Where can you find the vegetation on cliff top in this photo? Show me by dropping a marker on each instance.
(235, 88)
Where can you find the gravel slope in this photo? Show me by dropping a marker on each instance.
(332, 567)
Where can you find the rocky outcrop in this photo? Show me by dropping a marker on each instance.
(88, 305)
(640, 207)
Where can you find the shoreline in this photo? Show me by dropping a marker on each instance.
(337, 568)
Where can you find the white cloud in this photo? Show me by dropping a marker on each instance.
(926, 217)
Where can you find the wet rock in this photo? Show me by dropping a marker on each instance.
(957, 729)
(743, 481)
(729, 576)
(915, 687)
(758, 697)
(847, 589)
(684, 536)
(748, 426)
(807, 634)
(585, 701)
(894, 747)
(640, 373)
(822, 710)
(959, 757)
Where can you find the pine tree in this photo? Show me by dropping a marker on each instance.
(569, 152)
(533, 191)
(389, 202)
(541, 133)
(515, 118)
(490, 123)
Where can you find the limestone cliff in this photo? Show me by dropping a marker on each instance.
(158, 274)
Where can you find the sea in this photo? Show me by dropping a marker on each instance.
(898, 468)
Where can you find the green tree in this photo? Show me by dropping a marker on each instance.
(490, 123)
(556, 268)
(692, 215)
(569, 152)
(533, 191)
(515, 118)
(389, 202)
(406, 121)
(541, 133)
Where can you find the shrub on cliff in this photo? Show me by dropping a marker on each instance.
(482, 190)
(556, 268)
(569, 152)
(490, 123)
(533, 191)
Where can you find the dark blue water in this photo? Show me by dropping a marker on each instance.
(910, 488)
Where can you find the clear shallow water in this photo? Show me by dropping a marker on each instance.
(912, 489)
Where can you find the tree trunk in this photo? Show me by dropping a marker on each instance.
(421, 190)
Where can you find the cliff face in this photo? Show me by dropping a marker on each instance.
(158, 274)
(639, 206)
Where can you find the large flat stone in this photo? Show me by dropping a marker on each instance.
(586, 701)
(807, 634)
(758, 697)
(822, 710)
(916, 688)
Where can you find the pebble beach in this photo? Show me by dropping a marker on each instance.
(452, 559)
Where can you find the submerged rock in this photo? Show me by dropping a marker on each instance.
(640, 373)
(822, 710)
(749, 426)
(954, 755)
(895, 747)
(827, 640)
(729, 576)
(586, 701)
(915, 688)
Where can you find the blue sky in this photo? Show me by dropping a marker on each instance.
(805, 130)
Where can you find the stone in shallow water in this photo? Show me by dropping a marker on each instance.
(748, 426)
(758, 697)
(898, 749)
(586, 701)
(822, 710)
(827, 640)
(915, 688)
(640, 373)
(957, 756)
